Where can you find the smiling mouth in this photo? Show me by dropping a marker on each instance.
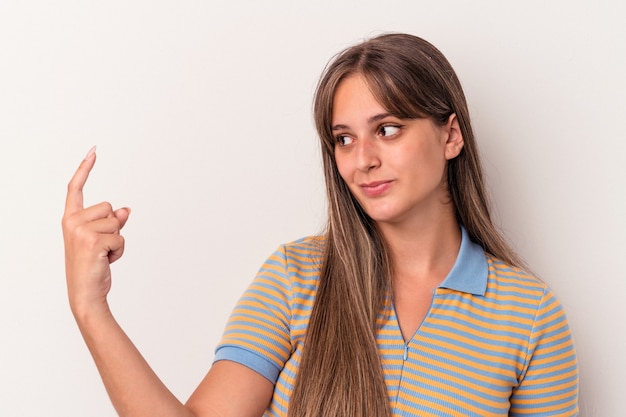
(376, 188)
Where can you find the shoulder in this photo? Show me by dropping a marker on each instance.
(527, 304)
(308, 246)
(517, 288)
(299, 260)
(511, 285)
(304, 251)
(502, 274)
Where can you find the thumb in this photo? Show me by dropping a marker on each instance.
(122, 215)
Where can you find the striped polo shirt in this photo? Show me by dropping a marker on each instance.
(495, 341)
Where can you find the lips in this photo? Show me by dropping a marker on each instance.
(375, 188)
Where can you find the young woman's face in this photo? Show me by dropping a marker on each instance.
(395, 168)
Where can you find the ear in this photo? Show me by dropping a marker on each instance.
(454, 142)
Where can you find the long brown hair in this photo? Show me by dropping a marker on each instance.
(340, 374)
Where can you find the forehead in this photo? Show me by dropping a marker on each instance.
(354, 98)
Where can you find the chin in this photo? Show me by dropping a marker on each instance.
(382, 216)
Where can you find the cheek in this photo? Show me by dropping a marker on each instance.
(342, 168)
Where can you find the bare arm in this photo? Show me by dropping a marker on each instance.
(92, 242)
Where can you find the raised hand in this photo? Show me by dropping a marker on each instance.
(92, 242)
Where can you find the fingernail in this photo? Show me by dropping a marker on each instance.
(90, 153)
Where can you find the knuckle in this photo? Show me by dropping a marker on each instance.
(112, 225)
(74, 186)
(106, 206)
(67, 222)
(86, 235)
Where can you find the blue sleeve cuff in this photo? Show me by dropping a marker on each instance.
(249, 359)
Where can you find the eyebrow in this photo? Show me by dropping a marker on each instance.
(370, 120)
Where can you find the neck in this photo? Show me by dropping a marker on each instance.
(423, 252)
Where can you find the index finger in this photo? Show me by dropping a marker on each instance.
(74, 200)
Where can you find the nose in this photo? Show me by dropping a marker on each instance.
(367, 154)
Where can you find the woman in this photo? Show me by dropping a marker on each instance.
(410, 304)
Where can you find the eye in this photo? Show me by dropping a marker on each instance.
(389, 130)
(343, 140)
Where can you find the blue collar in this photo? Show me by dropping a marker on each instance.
(470, 270)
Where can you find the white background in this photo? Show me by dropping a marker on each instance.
(202, 116)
